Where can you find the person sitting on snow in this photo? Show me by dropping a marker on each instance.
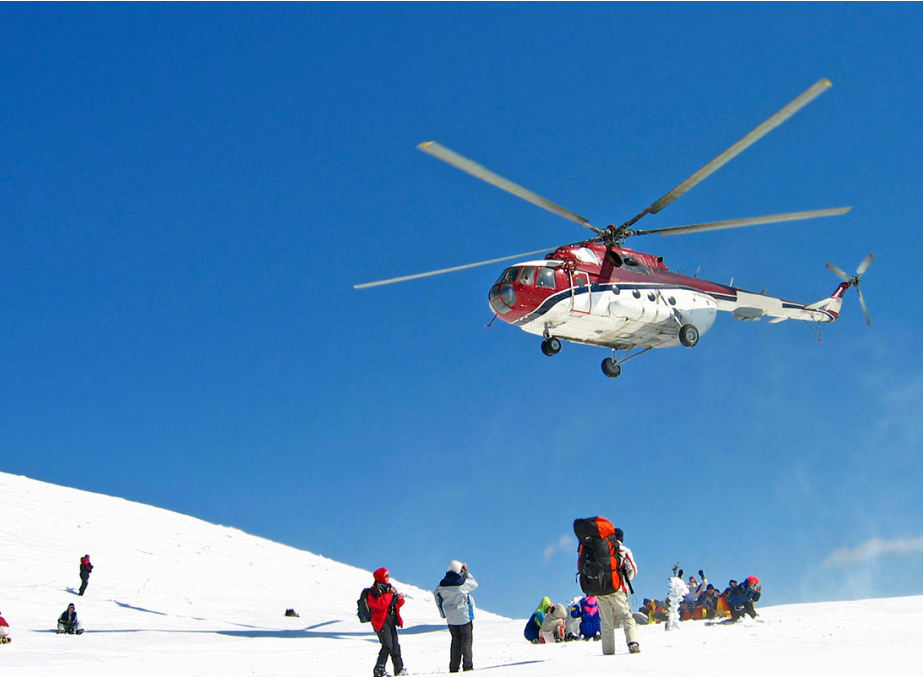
(68, 623)
(588, 612)
(572, 622)
(553, 625)
(741, 599)
(534, 625)
(4, 630)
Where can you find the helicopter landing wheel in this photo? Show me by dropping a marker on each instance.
(611, 368)
(688, 335)
(551, 346)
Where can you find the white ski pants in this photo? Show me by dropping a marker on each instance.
(611, 608)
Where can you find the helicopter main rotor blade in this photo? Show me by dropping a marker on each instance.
(404, 278)
(865, 310)
(860, 271)
(836, 270)
(449, 156)
(788, 111)
(739, 223)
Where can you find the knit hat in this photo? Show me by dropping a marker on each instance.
(455, 566)
(380, 574)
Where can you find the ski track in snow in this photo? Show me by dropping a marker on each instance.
(174, 595)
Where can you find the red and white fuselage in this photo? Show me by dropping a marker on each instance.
(622, 299)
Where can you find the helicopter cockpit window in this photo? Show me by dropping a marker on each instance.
(545, 278)
(528, 276)
(508, 275)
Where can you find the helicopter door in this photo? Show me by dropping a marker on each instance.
(580, 292)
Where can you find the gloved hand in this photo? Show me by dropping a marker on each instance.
(701, 575)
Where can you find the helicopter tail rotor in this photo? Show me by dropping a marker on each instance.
(853, 281)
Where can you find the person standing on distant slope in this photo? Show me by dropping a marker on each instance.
(385, 603)
(4, 630)
(85, 569)
(68, 623)
(456, 606)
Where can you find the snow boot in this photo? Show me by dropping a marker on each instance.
(634, 648)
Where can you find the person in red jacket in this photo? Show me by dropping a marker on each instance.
(85, 569)
(385, 603)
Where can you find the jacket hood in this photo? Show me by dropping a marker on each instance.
(452, 578)
(379, 575)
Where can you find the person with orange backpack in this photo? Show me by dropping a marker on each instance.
(605, 568)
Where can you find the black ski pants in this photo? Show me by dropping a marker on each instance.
(85, 581)
(746, 608)
(389, 647)
(462, 641)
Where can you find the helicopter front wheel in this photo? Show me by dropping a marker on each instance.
(551, 346)
(688, 335)
(611, 368)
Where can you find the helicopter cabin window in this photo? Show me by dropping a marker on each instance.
(508, 275)
(528, 276)
(545, 278)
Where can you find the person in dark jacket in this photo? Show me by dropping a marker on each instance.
(68, 623)
(385, 603)
(456, 606)
(741, 599)
(85, 569)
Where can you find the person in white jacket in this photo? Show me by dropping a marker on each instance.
(456, 606)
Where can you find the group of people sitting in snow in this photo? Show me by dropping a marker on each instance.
(579, 619)
(550, 622)
(703, 601)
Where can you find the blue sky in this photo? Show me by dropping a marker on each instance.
(190, 191)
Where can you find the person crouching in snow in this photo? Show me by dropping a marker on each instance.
(67, 622)
(456, 606)
(741, 599)
(4, 630)
(553, 625)
(385, 603)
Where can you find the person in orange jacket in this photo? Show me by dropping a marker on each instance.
(386, 602)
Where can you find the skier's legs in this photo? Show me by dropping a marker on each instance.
(606, 624)
(467, 644)
(455, 652)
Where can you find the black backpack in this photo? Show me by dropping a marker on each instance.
(599, 563)
(362, 607)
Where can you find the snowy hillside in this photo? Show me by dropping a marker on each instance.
(173, 595)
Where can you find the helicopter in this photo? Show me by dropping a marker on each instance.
(600, 292)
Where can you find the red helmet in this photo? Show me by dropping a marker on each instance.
(754, 582)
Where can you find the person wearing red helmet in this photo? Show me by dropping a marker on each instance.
(741, 599)
(385, 603)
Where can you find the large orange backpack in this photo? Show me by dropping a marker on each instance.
(598, 561)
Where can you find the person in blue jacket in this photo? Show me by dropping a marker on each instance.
(742, 598)
(534, 624)
(587, 610)
(456, 606)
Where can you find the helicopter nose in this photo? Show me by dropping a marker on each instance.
(502, 298)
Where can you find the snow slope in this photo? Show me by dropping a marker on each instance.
(173, 595)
